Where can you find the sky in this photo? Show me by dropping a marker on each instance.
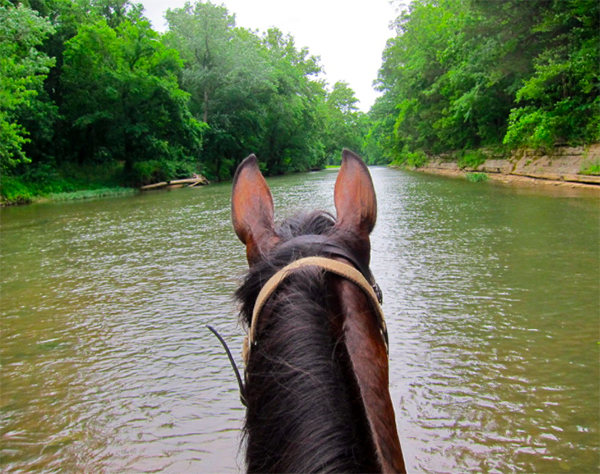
(348, 35)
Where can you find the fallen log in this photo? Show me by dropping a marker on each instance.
(154, 186)
(176, 182)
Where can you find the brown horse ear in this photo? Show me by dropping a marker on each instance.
(369, 360)
(252, 210)
(354, 196)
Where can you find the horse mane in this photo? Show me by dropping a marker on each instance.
(305, 412)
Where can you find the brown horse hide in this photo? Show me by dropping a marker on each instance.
(317, 376)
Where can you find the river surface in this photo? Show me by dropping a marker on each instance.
(491, 294)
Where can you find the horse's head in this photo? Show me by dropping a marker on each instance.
(317, 375)
(252, 208)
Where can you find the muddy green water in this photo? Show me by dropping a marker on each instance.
(491, 296)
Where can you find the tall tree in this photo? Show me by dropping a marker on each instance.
(23, 69)
(343, 122)
(123, 99)
(227, 75)
(256, 94)
(560, 101)
(294, 126)
(473, 73)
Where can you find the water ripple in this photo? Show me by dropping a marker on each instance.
(107, 365)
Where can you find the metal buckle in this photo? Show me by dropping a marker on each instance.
(378, 292)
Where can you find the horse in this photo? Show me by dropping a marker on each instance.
(316, 376)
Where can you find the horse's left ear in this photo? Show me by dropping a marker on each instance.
(354, 196)
(252, 210)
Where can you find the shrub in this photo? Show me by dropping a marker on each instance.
(91, 194)
(415, 159)
(472, 159)
(154, 171)
(14, 191)
(477, 177)
(591, 168)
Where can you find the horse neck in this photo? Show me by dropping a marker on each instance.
(305, 412)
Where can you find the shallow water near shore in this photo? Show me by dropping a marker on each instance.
(490, 294)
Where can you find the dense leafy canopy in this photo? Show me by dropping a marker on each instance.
(464, 74)
(89, 86)
(22, 72)
(123, 100)
(89, 83)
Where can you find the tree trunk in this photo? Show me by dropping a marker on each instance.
(205, 114)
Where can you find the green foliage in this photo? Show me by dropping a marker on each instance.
(256, 94)
(294, 119)
(342, 122)
(409, 159)
(22, 72)
(49, 181)
(381, 147)
(559, 103)
(465, 74)
(14, 190)
(88, 83)
(123, 99)
(20, 190)
(477, 177)
(471, 159)
(591, 168)
(152, 171)
(91, 194)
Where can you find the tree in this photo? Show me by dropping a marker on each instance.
(560, 102)
(124, 103)
(379, 144)
(22, 71)
(257, 95)
(227, 74)
(465, 74)
(343, 122)
(117, 11)
(294, 127)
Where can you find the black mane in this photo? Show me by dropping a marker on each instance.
(305, 413)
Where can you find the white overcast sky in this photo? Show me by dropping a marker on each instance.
(348, 35)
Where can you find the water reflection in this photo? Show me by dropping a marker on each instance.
(490, 295)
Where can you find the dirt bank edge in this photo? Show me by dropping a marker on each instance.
(562, 166)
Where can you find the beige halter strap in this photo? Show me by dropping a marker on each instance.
(342, 269)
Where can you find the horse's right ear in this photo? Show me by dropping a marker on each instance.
(354, 196)
(252, 210)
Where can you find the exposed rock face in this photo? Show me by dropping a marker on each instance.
(563, 164)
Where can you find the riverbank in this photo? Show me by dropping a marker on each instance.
(73, 183)
(564, 166)
(85, 194)
(19, 193)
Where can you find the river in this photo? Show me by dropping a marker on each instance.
(491, 295)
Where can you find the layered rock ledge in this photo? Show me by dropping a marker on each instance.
(564, 165)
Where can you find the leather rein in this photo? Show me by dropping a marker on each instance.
(356, 273)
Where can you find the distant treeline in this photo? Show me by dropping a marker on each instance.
(89, 85)
(463, 75)
(91, 95)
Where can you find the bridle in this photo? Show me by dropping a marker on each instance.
(357, 273)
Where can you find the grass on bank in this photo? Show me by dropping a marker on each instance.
(592, 169)
(65, 184)
(477, 177)
(90, 194)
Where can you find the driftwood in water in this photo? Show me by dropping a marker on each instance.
(196, 180)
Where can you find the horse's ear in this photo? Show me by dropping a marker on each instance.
(354, 196)
(252, 210)
(369, 360)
